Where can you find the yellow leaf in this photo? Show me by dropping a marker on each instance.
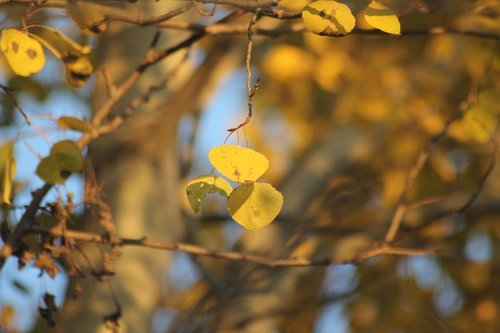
(254, 205)
(237, 163)
(200, 186)
(24, 54)
(7, 171)
(328, 18)
(480, 122)
(383, 18)
(74, 124)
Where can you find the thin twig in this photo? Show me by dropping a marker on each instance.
(251, 90)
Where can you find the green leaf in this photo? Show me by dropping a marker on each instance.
(49, 171)
(328, 18)
(24, 54)
(67, 155)
(7, 171)
(383, 18)
(64, 159)
(254, 205)
(237, 163)
(481, 122)
(200, 186)
(74, 124)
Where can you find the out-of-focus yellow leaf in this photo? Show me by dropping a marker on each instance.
(383, 18)
(237, 163)
(254, 205)
(74, 124)
(200, 186)
(87, 16)
(480, 122)
(287, 63)
(328, 18)
(24, 54)
(7, 171)
(293, 5)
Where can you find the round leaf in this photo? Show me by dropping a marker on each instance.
(383, 18)
(200, 186)
(328, 18)
(24, 54)
(254, 205)
(237, 163)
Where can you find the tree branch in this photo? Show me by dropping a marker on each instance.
(231, 255)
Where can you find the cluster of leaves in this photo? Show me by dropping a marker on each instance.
(24, 52)
(331, 18)
(252, 204)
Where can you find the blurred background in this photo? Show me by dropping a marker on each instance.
(342, 121)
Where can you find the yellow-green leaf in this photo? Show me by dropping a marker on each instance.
(74, 124)
(200, 186)
(67, 155)
(7, 171)
(328, 18)
(383, 18)
(237, 163)
(64, 159)
(481, 122)
(254, 205)
(49, 171)
(24, 54)
(78, 71)
(87, 16)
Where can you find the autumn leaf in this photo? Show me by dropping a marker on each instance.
(383, 18)
(254, 205)
(328, 18)
(7, 172)
(74, 124)
(237, 163)
(200, 186)
(480, 122)
(64, 159)
(24, 54)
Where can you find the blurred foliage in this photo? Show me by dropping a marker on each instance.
(400, 92)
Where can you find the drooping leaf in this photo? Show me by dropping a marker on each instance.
(75, 56)
(480, 122)
(7, 171)
(254, 205)
(64, 159)
(87, 16)
(383, 18)
(237, 163)
(24, 54)
(200, 186)
(74, 124)
(328, 18)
